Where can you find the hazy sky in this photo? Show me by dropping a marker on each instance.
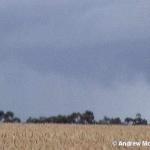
(60, 56)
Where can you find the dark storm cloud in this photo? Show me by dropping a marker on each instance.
(84, 38)
(76, 46)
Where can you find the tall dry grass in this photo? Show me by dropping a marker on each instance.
(69, 137)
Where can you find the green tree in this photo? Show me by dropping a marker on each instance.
(8, 116)
(88, 117)
(128, 120)
(1, 115)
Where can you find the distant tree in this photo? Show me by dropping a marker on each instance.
(29, 120)
(8, 116)
(16, 120)
(106, 120)
(61, 119)
(49, 120)
(1, 115)
(129, 120)
(43, 120)
(115, 121)
(75, 118)
(144, 122)
(139, 121)
(88, 117)
(138, 116)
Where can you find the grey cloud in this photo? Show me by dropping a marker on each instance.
(36, 95)
(84, 47)
(69, 23)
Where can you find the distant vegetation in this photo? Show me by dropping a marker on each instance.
(75, 118)
(9, 117)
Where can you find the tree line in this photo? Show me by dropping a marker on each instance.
(9, 117)
(75, 118)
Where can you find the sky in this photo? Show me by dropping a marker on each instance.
(61, 56)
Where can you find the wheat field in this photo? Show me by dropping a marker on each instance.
(69, 137)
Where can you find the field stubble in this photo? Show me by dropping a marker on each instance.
(69, 137)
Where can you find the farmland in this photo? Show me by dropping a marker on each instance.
(69, 137)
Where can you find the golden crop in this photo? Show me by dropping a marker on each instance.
(69, 137)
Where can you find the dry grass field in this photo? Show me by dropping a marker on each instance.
(69, 137)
